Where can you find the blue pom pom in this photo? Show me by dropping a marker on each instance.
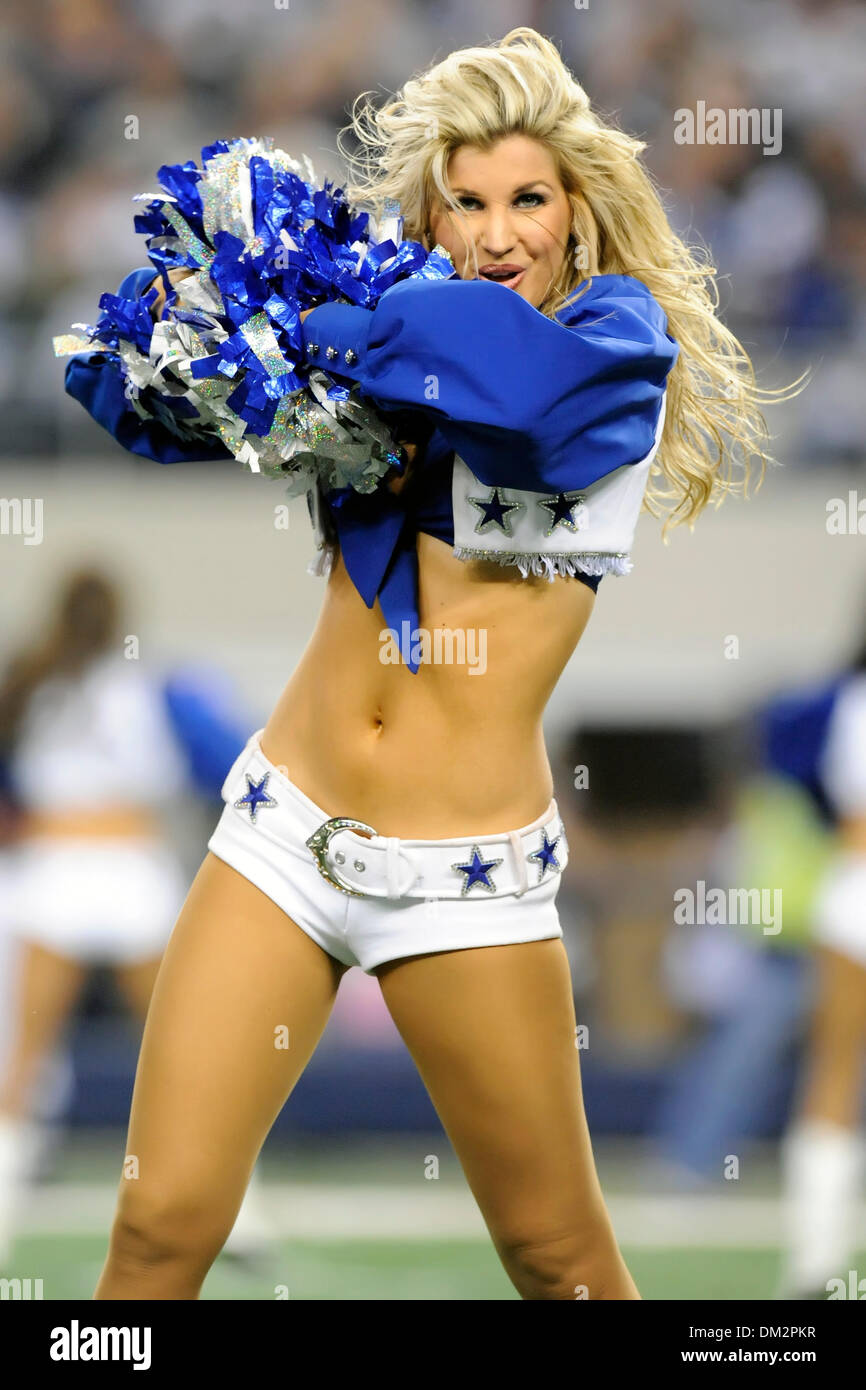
(265, 243)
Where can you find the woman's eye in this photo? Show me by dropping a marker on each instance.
(536, 200)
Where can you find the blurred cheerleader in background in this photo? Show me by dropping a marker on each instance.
(823, 1150)
(91, 753)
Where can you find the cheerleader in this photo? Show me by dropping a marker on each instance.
(823, 1150)
(395, 813)
(91, 751)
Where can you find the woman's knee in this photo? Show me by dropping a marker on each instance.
(567, 1264)
(179, 1228)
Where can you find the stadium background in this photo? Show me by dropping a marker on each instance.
(689, 1060)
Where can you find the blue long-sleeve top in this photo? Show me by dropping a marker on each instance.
(528, 402)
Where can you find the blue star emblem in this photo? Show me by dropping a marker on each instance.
(256, 796)
(546, 856)
(477, 872)
(495, 511)
(561, 510)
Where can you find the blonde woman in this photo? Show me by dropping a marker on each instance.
(398, 814)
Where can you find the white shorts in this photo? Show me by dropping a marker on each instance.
(95, 900)
(840, 907)
(266, 842)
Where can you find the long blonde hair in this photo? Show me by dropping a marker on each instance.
(520, 84)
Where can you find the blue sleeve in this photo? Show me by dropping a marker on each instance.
(133, 285)
(527, 401)
(791, 733)
(94, 380)
(207, 723)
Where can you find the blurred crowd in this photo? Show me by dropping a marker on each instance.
(95, 96)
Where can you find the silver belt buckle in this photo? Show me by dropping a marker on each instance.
(318, 845)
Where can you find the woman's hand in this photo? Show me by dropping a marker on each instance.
(394, 481)
(179, 273)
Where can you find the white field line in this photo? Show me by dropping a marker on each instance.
(318, 1212)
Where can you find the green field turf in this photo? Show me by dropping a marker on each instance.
(357, 1220)
(405, 1270)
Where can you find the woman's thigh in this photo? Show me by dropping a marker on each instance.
(837, 1044)
(492, 1032)
(42, 994)
(135, 980)
(240, 1001)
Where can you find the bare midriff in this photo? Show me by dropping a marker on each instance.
(121, 822)
(442, 752)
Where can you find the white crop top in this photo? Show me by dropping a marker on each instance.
(97, 742)
(843, 762)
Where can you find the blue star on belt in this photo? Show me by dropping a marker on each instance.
(477, 872)
(495, 511)
(546, 856)
(561, 510)
(256, 796)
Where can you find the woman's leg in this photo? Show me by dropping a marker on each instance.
(833, 1083)
(45, 990)
(42, 996)
(822, 1152)
(240, 1001)
(251, 1235)
(135, 980)
(492, 1032)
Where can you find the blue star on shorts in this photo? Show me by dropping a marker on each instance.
(256, 796)
(477, 872)
(545, 856)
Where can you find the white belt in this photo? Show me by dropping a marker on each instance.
(360, 862)
(490, 866)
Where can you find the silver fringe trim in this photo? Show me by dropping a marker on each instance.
(549, 566)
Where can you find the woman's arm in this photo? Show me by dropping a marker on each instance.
(527, 401)
(156, 308)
